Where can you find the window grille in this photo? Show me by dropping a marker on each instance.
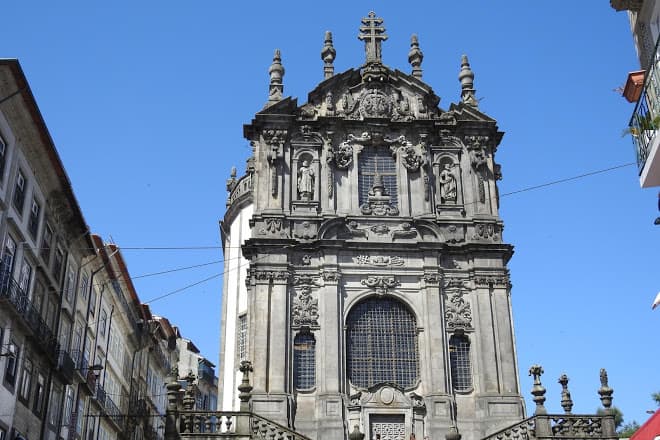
(382, 344)
(377, 160)
(304, 361)
(242, 337)
(459, 358)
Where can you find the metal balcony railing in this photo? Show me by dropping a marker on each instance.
(17, 298)
(66, 366)
(644, 124)
(109, 407)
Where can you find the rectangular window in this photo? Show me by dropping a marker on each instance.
(39, 394)
(57, 263)
(51, 314)
(46, 241)
(24, 278)
(372, 161)
(54, 406)
(8, 260)
(3, 160)
(38, 298)
(69, 285)
(11, 365)
(3, 433)
(65, 330)
(19, 193)
(33, 223)
(91, 426)
(68, 407)
(242, 337)
(84, 286)
(92, 302)
(26, 380)
(103, 322)
(79, 415)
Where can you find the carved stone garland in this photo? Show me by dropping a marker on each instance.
(305, 310)
(458, 313)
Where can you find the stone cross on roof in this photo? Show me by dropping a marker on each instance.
(372, 33)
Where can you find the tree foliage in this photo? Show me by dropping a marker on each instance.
(628, 429)
(618, 415)
(656, 398)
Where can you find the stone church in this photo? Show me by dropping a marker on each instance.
(365, 270)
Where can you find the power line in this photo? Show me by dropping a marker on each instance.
(184, 288)
(568, 179)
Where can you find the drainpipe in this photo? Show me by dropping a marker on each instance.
(105, 362)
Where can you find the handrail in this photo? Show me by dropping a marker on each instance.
(644, 123)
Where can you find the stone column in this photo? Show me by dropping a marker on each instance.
(330, 352)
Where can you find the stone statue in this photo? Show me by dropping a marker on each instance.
(447, 185)
(305, 181)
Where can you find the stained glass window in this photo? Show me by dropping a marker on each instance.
(382, 344)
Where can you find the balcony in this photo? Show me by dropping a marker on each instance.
(644, 126)
(66, 367)
(88, 374)
(20, 304)
(109, 407)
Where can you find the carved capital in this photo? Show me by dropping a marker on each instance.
(492, 281)
(432, 278)
(331, 276)
(276, 276)
(305, 279)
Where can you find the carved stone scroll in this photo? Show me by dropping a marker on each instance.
(380, 284)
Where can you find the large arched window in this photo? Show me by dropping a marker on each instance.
(459, 358)
(381, 342)
(304, 361)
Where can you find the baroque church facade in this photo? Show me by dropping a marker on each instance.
(365, 271)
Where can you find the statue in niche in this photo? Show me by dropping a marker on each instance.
(305, 181)
(448, 192)
(480, 165)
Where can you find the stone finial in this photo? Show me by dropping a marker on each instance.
(244, 388)
(276, 72)
(566, 401)
(538, 391)
(231, 182)
(415, 57)
(328, 54)
(466, 77)
(372, 33)
(605, 391)
(356, 434)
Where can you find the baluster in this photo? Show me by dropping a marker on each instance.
(228, 423)
(207, 423)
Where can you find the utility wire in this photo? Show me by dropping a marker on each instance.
(568, 179)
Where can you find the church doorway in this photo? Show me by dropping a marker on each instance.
(387, 427)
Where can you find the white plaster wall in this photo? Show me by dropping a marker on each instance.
(235, 303)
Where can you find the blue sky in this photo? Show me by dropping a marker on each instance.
(146, 102)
